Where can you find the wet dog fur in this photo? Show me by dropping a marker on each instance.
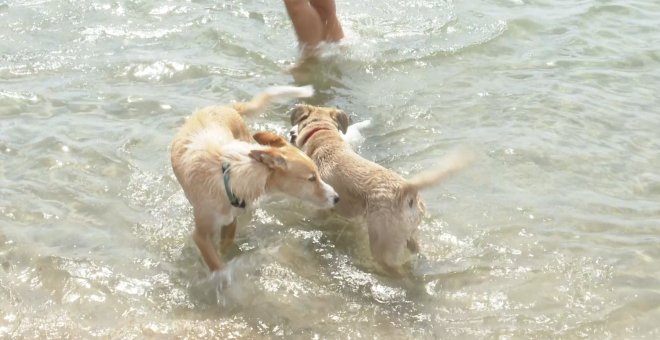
(217, 136)
(390, 204)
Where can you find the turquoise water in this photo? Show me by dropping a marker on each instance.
(553, 233)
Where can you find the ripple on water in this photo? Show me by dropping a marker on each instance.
(19, 97)
(168, 219)
(561, 242)
(163, 71)
(428, 29)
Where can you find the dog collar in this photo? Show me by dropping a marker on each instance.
(230, 194)
(312, 133)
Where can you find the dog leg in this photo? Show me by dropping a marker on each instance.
(386, 241)
(227, 234)
(202, 237)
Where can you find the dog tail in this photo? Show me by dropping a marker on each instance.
(450, 164)
(277, 94)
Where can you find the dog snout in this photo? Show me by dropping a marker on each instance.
(331, 196)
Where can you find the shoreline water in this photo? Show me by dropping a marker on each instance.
(550, 235)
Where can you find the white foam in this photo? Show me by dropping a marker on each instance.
(353, 135)
(284, 93)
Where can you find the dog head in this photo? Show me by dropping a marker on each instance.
(310, 119)
(292, 172)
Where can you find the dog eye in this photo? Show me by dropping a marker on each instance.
(312, 178)
(410, 203)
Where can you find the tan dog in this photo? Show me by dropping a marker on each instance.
(220, 168)
(390, 204)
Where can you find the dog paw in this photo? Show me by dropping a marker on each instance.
(220, 278)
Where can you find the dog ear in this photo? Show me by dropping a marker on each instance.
(270, 139)
(269, 157)
(297, 113)
(342, 119)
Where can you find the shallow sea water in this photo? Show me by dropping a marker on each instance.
(553, 233)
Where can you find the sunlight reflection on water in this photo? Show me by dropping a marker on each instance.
(551, 234)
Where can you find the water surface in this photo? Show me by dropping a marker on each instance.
(553, 233)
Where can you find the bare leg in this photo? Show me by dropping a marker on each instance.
(306, 22)
(227, 234)
(328, 13)
(314, 21)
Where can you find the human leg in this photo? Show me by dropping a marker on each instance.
(306, 22)
(327, 11)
